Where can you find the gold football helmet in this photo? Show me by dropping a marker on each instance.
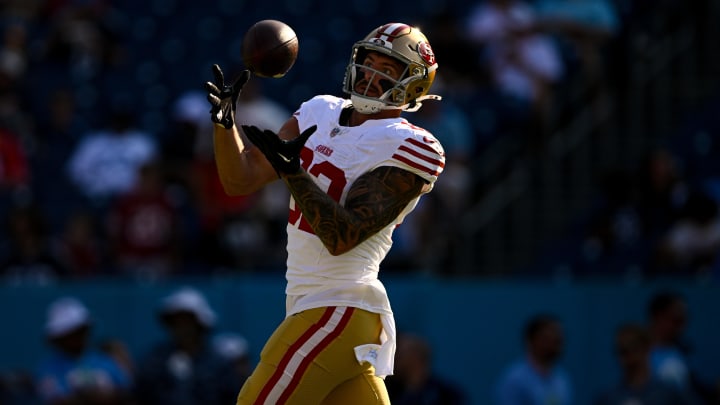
(409, 46)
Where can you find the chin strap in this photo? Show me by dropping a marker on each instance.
(416, 104)
(409, 107)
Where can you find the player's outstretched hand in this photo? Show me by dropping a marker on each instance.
(223, 98)
(283, 155)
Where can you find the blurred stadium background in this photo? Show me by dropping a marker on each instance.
(583, 203)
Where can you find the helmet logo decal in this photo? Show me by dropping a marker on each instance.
(426, 53)
(379, 42)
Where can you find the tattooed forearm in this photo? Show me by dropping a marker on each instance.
(373, 202)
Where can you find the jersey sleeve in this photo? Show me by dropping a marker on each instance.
(315, 110)
(420, 153)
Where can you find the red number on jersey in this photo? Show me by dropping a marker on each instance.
(335, 188)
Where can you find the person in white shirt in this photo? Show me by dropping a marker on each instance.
(107, 162)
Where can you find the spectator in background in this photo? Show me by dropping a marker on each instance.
(585, 31)
(585, 27)
(636, 210)
(614, 230)
(107, 162)
(415, 382)
(525, 64)
(144, 228)
(185, 368)
(537, 379)
(80, 37)
(669, 354)
(692, 243)
(75, 373)
(637, 384)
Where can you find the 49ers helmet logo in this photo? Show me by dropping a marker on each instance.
(426, 53)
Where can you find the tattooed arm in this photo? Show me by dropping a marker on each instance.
(373, 202)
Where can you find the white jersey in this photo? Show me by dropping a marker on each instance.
(335, 156)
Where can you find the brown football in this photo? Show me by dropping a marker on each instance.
(269, 48)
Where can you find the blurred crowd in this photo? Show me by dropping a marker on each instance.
(192, 364)
(654, 220)
(654, 363)
(106, 163)
(195, 362)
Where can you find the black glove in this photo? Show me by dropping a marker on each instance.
(283, 155)
(223, 98)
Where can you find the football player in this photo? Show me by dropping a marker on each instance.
(355, 168)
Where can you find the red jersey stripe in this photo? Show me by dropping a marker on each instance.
(419, 155)
(422, 145)
(416, 165)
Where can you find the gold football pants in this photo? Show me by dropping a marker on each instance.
(310, 360)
